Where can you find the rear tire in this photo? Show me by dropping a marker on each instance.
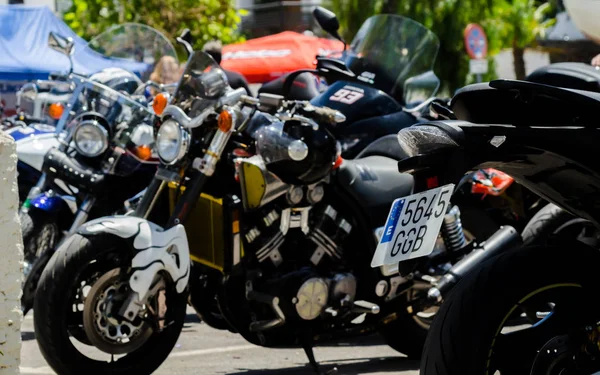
(405, 335)
(53, 309)
(462, 335)
(544, 224)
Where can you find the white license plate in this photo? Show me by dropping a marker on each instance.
(412, 226)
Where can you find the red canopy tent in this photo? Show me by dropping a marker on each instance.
(264, 59)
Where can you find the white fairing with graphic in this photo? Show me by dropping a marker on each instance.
(156, 249)
(32, 148)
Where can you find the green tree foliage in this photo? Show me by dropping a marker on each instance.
(206, 19)
(504, 24)
(520, 22)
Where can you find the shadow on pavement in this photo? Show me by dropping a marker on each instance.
(27, 335)
(357, 366)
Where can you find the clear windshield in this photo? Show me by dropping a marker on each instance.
(201, 85)
(388, 50)
(118, 111)
(137, 43)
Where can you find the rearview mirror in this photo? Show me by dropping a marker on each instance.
(420, 88)
(61, 44)
(328, 21)
(186, 35)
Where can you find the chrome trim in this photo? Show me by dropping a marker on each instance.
(179, 115)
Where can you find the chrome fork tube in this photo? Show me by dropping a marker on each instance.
(82, 214)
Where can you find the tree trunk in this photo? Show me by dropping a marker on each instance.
(519, 61)
(390, 6)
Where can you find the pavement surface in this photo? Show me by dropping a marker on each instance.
(203, 350)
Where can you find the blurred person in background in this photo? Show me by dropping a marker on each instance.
(166, 71)
(236, 80)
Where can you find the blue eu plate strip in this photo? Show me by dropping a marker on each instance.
(392, 221)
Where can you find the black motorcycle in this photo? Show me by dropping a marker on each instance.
(528, 310)
(258, 223)
(383, 81)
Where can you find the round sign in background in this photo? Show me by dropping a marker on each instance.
(476, 42)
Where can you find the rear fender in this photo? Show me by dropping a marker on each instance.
(153, 249)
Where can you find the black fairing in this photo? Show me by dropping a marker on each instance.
(553, 152)
(525, 103)
(570, 75)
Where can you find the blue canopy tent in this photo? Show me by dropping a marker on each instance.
(25, 55)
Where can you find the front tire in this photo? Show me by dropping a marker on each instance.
(466, 336)
(58, 316)
(40, 233)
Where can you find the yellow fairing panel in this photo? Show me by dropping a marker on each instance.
(254, 185)
(204, 229)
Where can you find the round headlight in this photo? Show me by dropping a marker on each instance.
(172, 142)
(90, 138)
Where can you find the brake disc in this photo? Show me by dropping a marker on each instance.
(555, 358)
(105, 329)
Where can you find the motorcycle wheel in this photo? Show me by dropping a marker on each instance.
(40, 236)
(552, 221)
(81, 274)
(471, 335)
(408, 332)
(40, 233)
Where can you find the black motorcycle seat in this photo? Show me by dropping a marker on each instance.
(303, 88)
(375, 183)
(387, 146)
(522, 103)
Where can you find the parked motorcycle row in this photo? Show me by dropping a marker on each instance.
(372, 207)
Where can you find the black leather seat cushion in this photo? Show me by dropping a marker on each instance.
(375, 183)
(387, 146)
(303, 88)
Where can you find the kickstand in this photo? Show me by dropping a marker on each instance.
(308, 349)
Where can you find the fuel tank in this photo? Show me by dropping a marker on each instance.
(356, 101)
(370, 114)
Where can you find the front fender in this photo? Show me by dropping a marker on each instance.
(153, 248)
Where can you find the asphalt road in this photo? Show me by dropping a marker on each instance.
(203, 350)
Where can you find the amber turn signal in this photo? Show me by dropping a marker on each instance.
(56, 110)
(143, 152)
(225, 121)
(160, 103)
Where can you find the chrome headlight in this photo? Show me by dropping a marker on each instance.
(90, 138)
(172, 142)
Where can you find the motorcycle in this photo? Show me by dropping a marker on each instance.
(384, 82)
(104, 159)
(527, 310)
(380, 84)
(258, 222)
(42, 103)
